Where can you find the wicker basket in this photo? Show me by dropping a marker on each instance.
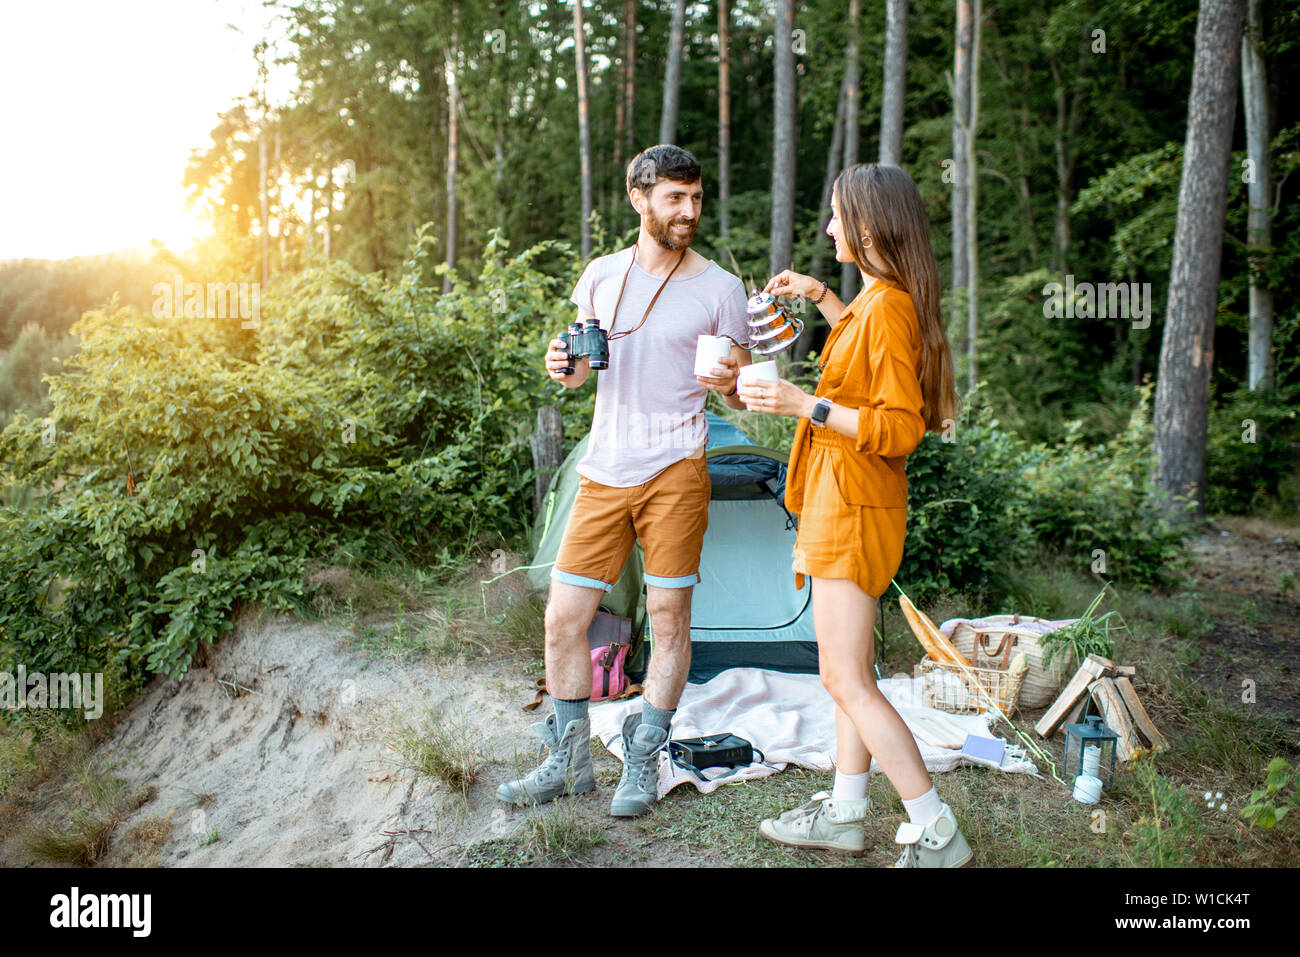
(947, 687)
(995, 649)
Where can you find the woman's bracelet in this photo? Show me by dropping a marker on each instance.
(818, 300)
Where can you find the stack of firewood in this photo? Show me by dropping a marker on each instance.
(1110, 688)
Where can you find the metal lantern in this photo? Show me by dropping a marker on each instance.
(771, 328)
(1086, 751)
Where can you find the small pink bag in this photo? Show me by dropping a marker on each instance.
(610, 638)
(608, 679)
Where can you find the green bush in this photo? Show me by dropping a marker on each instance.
(979, 504)
(194, 465)
(360, 408)
(965, 519)
(1082, 499)
(1253, 445)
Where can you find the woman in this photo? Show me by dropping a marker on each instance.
(887, 378)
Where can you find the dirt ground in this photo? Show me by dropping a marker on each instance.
(278, 749)
(1254, 644)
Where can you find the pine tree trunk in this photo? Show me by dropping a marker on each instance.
(895, 86)
(327, 237)
(1259, 233)
(673, 78)
(1067, 128)
(1187, 348)
(960, 156)
(629, 82)
(620, 104)
(783, 140)
(972, 205)
(1022, 171)
(280, 211)
(803, 344)
(309, 235)
(724, 121)
(453, 157)
(850, 276)
(629, 97)
(584, 127)
(266, 234)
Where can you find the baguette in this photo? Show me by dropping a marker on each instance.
(934, 641)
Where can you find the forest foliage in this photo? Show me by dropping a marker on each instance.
(160, 471)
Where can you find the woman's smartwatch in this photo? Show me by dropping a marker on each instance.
(820, 411)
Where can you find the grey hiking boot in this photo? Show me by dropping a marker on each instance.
(824, 822)
(638, 788)
(938, 844)
(567, 770)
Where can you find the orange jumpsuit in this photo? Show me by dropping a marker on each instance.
(851, 493)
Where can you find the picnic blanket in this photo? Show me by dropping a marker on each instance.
(791, 720)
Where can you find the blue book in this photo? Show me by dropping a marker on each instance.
(984, 749)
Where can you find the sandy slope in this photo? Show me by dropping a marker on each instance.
(297, 766)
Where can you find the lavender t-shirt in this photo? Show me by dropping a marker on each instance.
(649, 407)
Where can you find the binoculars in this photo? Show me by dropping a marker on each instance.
(586, 340)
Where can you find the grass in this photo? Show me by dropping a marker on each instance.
(1153, 816)
(60, 804)
(408, 613)
(146, 838)
(442, 748)
(561, 834)
(83, 837)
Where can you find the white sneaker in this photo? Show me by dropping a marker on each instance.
(824, 822)
(938, 844)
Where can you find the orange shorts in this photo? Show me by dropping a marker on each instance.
(668, 514)
(836, 539)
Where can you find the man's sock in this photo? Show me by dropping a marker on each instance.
(654, 716)
(566, 711)
(850, 785)
(924, 810)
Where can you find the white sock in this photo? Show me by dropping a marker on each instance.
(924, 810)
(850, 785)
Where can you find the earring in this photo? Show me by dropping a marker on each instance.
(866, 242)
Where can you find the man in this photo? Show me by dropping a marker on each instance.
(644, 475)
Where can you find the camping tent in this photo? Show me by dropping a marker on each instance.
(745, 612)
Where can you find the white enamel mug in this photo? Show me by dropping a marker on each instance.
(756, 373)
(708, 350)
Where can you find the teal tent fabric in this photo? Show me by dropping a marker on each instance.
(746, 611)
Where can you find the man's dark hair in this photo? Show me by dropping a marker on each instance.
(659, 163)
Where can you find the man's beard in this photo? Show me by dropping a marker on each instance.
(662, 233)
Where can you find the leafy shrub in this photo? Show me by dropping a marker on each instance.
(1080, 499)
(1253, 445)
(195, 465)
(965, 519)
(1280, 793)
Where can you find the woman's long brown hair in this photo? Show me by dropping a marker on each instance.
(882, 202)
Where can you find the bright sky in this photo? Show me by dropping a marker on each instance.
(104, 99)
